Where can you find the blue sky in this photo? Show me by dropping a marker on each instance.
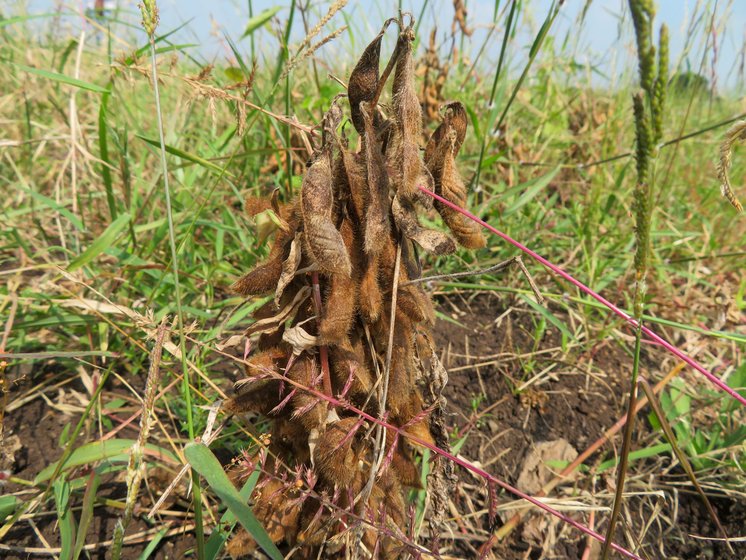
(600, 40)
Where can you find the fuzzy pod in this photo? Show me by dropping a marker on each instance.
(363, 82)
(467, 232)
(350, 360)
(307, 408)
(259, 397)
(340, 306)
(263, 279)
(317, 204)
(408, 116)
(370, 297)
(377, 214)
(336, 457)
(415, 304)
(356, 177)
(447, 138)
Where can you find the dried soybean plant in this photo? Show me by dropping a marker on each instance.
(347, 322)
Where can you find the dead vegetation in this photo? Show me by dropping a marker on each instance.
(347, 322)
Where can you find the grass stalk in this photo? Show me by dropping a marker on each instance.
(648, 119)
(498, 73)
(135, 468)
(149, 10)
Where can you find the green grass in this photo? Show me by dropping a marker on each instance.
(86, 267)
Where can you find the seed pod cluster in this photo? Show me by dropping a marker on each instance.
(342, 254)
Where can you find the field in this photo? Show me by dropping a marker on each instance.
(137, 177)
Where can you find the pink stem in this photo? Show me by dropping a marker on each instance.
(578, 284)
(468, 466)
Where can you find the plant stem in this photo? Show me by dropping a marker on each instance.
(186, 388)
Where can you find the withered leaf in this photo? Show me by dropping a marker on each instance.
(317, 203)
(432, 241)
(299, 339)
(271, 324)
(289, 267)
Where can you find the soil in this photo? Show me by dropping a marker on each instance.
(582, 395)
(507, 392)
(40, 447)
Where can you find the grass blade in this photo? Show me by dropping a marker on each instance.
(62, 78)
(86, 513)
(187, 156)
(681, 456)
(113, 450)
(206, 464)
(103, 242)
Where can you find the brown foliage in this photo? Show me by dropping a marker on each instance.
(355, 217)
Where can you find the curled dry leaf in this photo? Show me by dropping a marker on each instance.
(299, 339)
(271, 324)
(289, 267)
(432, 241)
(317, 203)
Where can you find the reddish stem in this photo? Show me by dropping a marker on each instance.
(459, 461)
(582, 287)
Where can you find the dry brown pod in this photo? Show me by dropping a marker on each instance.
(440, 158)
(363, 82)
(408, 117)
(377, 215)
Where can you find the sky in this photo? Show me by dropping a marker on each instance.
(600, 42)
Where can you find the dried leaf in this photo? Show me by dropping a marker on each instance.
(231, 342)
(317, 202)
(289, 267)
(432, 241)
(299, 339)
(271, 324)
(535, 473)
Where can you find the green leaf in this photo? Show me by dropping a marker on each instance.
(234, 74)
(62, 78)
(206, 464)
(48, 202)
(86, 512)
(530, 190)
(104, 241)
(260, 19)
(186, 155)
(7, 506)
(153, 544)
(219, 537)
(549, 316)
(66, 520)
(113, 450)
